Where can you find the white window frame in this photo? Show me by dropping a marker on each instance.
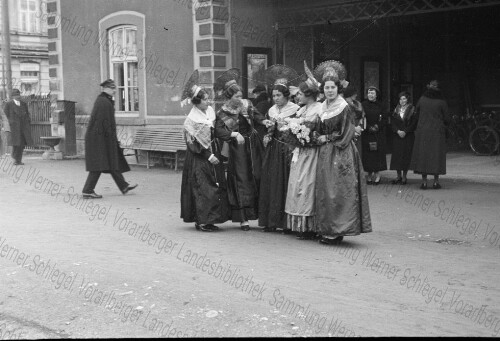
(125, 60)
(29, 13)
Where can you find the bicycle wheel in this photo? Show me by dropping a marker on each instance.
(484, 141)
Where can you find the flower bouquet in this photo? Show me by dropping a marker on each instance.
(297, 132)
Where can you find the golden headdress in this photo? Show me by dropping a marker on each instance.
(191, 89)
(333, 69)
(281, 74)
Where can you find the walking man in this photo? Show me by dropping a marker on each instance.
(102, 151)
(19, 121)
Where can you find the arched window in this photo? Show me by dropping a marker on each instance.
(122, 50)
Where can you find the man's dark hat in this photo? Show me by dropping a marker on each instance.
(15, 92)
(108, 83)
(259, 88)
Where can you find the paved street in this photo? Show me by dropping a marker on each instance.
(127, 266)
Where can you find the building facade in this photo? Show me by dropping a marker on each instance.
(151, 48)
(29, 53)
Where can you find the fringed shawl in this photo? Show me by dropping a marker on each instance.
(198, 126)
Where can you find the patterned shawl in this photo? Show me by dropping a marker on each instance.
(198, 126)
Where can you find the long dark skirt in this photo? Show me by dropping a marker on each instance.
(401, 152)
(373, 160)
(243, 179)
(274, 184)
(341, 194)
(203, 191)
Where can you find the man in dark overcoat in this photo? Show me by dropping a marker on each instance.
(102, 150)
(20, 125)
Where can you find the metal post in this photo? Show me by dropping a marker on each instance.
(6, 46)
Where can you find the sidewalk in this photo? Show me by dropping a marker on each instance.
(458, 164)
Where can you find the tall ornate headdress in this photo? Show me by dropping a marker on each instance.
(311, 81)
(191, 89)
(227, 79)
(281, 74)
(333, 69)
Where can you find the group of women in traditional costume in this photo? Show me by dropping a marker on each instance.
(314, 189)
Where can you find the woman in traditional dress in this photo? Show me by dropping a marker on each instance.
(235, 126)
(341, 198)
(403, 124)
(429, 150)
(300, 208)
(276, 162)
(373, 137)
(204, 190)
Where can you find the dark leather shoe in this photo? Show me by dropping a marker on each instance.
(245, 227)
(423, 185)
(397, 181)
(92, 195)
(436, 185)
(129, 188)
(213, 227)
(376, 182)
(203, 227)
(403, 182)
(269, 229)
(18, 163)
(369, 182)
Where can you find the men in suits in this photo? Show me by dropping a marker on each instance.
(19, 121)
(102, 151)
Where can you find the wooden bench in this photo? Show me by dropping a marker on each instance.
(163, 139)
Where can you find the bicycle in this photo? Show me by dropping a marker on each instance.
(456, 134)
(484, 139)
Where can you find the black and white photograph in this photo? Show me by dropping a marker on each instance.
(249, 168)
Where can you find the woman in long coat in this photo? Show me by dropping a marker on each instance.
(300, 198)
(276, 163)
(19, 119)
(341, 196)
(204, 190)
(429, 150)
(373, 137)
(403, 124)
(235, 126)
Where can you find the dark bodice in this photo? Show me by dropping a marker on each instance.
(374, 113)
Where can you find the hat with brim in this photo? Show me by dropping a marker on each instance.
(108, 83)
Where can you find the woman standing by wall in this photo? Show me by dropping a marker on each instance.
(429, 150)
(204, 190)
(235, 126)
(403, 125)
(276, 162)
(373, 137)
(341, 198)
(300, 207)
